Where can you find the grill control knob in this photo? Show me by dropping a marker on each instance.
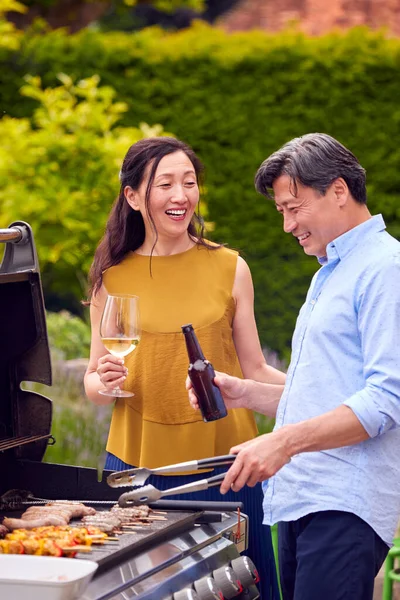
(226, 579)
(207, 589)
(245, 571)
(186, 594)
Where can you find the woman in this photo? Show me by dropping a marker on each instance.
(154, 248)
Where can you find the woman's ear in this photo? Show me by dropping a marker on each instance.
(131, 197)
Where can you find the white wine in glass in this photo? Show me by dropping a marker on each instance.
(120, 331)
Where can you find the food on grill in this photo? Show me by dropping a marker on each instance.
(118, 518)
(53, 513)
(104, 521)
(41, 547)
(104, 517)
(51, 541)
(60, 512)
(12, 524)
(137, 512)
(40, 513)
(103, 526)
(77, 509)
(70, 509)
(3, 531)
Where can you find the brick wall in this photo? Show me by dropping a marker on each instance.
(315, 17)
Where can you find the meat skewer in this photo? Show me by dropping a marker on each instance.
(42, 547)
(103, 517)
(138, 511)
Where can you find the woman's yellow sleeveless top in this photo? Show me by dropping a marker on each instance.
(157, 426)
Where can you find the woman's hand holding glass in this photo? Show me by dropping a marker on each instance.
(111, 371)
(120, 333)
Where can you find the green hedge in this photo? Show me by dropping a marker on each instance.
(235, 99)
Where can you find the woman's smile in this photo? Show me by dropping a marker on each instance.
(176, 214)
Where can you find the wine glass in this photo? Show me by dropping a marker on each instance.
(120, 331)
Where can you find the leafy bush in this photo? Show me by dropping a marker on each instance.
(235, 99)
(59, 172)
(80, 429)
(9, 35)
(69, 336)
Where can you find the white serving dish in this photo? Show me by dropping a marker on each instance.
(43, 577)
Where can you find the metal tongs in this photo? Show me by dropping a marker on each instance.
(149, 493)
(138, 477)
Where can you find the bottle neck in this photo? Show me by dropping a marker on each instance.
(193, 347)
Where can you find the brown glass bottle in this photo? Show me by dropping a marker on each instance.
(201, 373)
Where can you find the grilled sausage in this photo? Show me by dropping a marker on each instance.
(3, 531)
(42, 511)
(45, 521)
(78, 509)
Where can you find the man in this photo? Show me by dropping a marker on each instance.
(332, 465)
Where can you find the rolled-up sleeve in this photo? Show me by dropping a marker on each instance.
(377, 405)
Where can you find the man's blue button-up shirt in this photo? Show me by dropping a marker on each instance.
(346, 350)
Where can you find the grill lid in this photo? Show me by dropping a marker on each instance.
(24, 349)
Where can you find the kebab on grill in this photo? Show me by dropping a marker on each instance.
(107, 522)
(119, 518)
(40, 547)
(137, 512)
(30, 542)
(51, 541)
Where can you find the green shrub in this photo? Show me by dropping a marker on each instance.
(9, 35)
(79, 427)
(69, 336)
(80, 430)
(59, 171)
(235, 99)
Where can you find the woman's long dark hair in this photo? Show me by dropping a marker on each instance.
(125, 230)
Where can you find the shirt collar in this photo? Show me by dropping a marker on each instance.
(342, 245)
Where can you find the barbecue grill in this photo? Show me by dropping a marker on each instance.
(193, 554)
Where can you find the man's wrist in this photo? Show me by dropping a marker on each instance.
(291, 440)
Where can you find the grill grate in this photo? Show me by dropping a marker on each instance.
(14, 442)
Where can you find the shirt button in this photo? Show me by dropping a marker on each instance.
(313, 302)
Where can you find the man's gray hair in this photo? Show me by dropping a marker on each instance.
(314, 160)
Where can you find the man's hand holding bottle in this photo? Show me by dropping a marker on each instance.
(233, 391)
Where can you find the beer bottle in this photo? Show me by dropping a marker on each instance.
(201, 373)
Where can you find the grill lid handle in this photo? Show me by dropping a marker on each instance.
(20, 252)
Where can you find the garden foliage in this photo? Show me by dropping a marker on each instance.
(59, 171)
(9, 35)
(235, 99)
(69, 335)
